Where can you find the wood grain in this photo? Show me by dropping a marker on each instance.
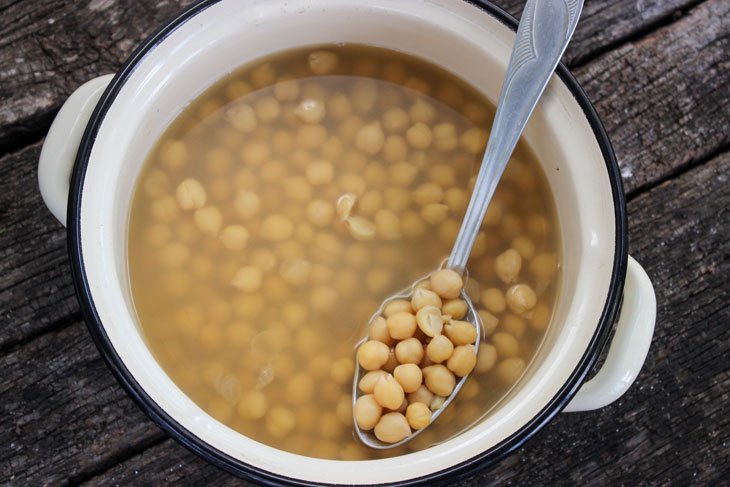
(36, 292)
(670, 427)
(665, 100)
(47, 49)
(64, 417)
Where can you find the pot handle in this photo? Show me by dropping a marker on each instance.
(62, 142)
(628, 348)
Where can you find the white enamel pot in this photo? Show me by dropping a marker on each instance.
(103, 133)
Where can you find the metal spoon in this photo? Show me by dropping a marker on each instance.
(542, 36)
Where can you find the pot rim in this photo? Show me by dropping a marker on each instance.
(265, 477)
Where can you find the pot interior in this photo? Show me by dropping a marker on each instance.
(457, 36)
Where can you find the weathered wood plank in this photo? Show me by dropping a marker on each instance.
(47, 49)
(671, 428)
(606, 24)
(665, 100)
(35, 279)
(63, 416)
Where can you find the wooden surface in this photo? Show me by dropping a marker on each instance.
(658, 73)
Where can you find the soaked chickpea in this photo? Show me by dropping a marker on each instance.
(409, 351)
(289, 201)
(367, 411)
(401, 325)
(372, 355)
(418, 415)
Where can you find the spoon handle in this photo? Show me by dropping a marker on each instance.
(542, 36)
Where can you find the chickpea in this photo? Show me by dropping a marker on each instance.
(430, 321)
(494, 300)
(364, 94)
(402, 174)
(401, 325)
(295, 271)
(513, 324)
(367, 411)
(461, 332)
(474, 140)
(434, 213)
(505, 344)
(540, 318)
(173, 154)
(322, 62)
(397, 199)
(507, 265)
(379, 331)
(286, 90)
(456, 308)
(370, 202)
(392, 428)
(387, 225)
(486, 358)
(375, 175)
(543, 266)
(267, 109)
(299, 389)
(418, 415)
(445, 138)
(409, 376)
(243, 117)
(428, 193)
(422, 394)
(352, 183)
(246, 204)
(423, 297)
(395, 149)
(396, 306)
(370, 138)
(248, 279)
(360, 228)
(389, 393)
(277, 228)
(510, 369)
(439, 349)
(320, 212)
(439, 379)
(412, 225)
(409, 351)
(320, 172)
(489, 322)
(234, 237)
(190, 194)
(368, 381)
(470, 390)
(525, 246)
(252, 405)
(280, 421)
(372, 354)
(446, 283)
(342, 370)
(419, 136)
(395, 120)
(255, 153)
(208, 220)
(520, 298)
(463, 360)
(263, 75)
(338, 106)
(310, 110)
(422, 111)
(324, 298)
(455, 199)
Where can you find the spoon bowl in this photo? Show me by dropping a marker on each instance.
(472, 316)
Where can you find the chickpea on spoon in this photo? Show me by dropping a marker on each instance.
(433, 327)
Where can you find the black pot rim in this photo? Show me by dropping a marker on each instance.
(264, 477)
